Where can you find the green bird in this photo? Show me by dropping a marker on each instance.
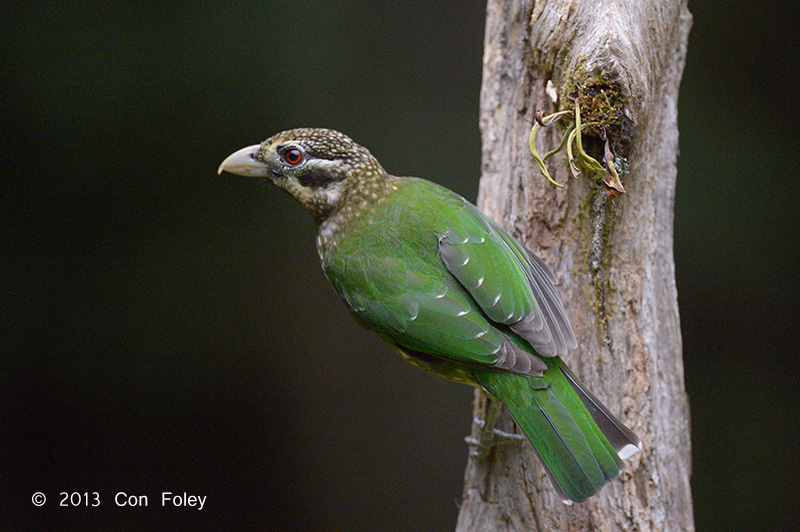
(451, 292)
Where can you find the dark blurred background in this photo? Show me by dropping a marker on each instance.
(167, 329)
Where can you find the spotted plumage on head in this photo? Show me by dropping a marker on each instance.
(322, 168)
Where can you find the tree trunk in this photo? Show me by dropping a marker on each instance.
(613, 257)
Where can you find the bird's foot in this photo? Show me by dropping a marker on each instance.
(489, 436)
(480, 447)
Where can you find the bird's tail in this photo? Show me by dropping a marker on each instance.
(580, 443)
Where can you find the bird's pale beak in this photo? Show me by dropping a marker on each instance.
(244, 162)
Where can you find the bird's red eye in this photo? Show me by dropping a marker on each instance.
(293, 156)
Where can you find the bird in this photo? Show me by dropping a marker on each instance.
(450, 291)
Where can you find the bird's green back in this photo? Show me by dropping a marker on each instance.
(389, 269)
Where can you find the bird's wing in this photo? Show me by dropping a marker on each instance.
(418, 305)
(511, 284)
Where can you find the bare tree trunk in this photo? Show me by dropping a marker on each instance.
(613, 257)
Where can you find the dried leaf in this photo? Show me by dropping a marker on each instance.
(612, 181)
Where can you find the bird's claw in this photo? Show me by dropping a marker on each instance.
(481, 447)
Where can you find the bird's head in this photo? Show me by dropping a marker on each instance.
(319, 167)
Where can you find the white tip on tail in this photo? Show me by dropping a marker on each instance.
(628, 451)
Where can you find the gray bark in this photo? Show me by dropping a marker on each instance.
(613, 257)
